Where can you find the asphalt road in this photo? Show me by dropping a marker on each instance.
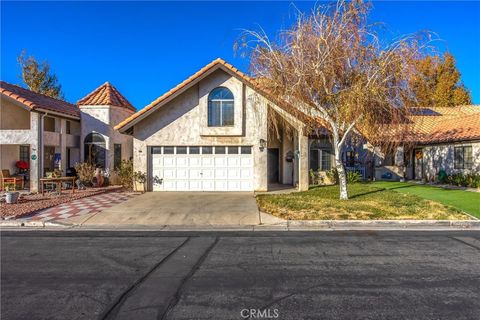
(304, 275)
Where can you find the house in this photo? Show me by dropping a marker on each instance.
(441, 138)
(53, 134)
(220, 130)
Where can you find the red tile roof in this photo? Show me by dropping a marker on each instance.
(106, 94)
(446, 124)
(36, 101)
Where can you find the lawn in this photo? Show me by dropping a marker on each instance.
(466, 201)
(367, 201)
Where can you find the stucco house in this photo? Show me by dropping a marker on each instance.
(53, 134)
(214, 132)
(219, 130)
(442, 138)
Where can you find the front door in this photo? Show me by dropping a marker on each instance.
(273, 165)
(418, 164)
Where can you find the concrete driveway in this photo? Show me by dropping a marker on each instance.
(179, 208)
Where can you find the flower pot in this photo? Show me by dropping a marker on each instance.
(12, 197)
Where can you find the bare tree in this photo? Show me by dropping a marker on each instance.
(331, 65)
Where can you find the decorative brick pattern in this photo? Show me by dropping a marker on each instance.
(82, 206)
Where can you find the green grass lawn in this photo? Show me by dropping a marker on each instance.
(466, 201)
(367, 201)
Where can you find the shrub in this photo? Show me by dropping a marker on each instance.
(332, 175)
(352, 176)
(471, 180)
(85, 172)
(315, 177)
(125, 174)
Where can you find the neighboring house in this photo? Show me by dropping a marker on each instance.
(445, 139)
(100, 111)
(51, 134)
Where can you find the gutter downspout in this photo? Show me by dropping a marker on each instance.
(40, 138)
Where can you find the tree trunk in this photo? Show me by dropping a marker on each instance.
(342, 176)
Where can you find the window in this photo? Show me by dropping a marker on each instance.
(49, 124)
(246, 150)
(463, 157)
(350, 159)
(156, 150)
(194, 150)
(117, 155)
(207, 150)
(168, 150)
(220, 108)
(321, 155)
(95, 149)
(232, 150)
(24, 153)
(326, 159)
(219, 150)
(181, 150)
(69, 129)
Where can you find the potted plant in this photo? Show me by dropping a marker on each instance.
(22, 166)
(11, 196)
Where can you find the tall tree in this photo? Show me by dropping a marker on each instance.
(38, 76)
(438, 84)
(331, 65)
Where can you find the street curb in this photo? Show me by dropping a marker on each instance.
(381, 224)
(32, 224)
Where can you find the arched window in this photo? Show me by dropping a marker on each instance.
(95, 149)
(220, 107)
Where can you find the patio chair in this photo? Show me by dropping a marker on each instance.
(8, 179)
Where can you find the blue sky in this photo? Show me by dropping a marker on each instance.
(146, 48)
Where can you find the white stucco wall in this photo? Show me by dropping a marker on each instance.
(102, 119)
(183, 122)
(441, 157)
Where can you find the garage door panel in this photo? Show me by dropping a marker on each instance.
(203, 172)
(182, 162)
(208, 174)
(220, 173)
(195, 162)
(221, 185)
(169, 173)
(208, 185)
(208, 162)
(182, 173)
(169, 161)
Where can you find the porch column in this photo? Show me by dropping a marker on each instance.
(63, 146)
(302, 161)
(35, 151)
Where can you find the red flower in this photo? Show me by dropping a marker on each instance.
(23, 165)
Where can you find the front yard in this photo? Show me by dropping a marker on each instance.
(367, 201)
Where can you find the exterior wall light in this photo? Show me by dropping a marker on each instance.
(263, 144)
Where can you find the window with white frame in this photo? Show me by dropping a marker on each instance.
(220, 108)
(320, 155)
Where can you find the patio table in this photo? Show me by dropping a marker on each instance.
(58, 182)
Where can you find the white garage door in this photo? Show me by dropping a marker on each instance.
(220, 168)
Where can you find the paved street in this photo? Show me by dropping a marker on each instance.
(221, 275)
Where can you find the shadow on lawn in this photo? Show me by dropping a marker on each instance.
(376, 191)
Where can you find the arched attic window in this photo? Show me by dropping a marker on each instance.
(220, 108)
(95, 149)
